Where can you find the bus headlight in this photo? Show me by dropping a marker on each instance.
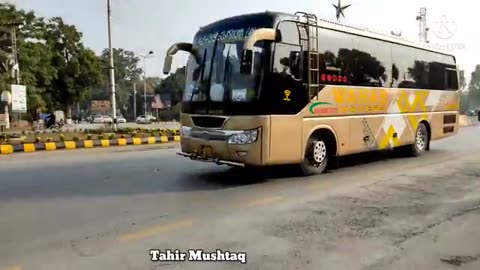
(185, 131)
(246, 137)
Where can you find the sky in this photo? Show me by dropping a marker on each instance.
(153, 25)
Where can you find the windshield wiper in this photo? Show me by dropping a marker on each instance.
(200, 79)
(209, 83)
(226, 76)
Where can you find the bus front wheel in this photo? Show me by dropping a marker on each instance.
(317, 154)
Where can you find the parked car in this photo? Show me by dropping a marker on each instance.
(143, 119)
(102, 119)
(107, 119)
(98, 118)
(121, 120)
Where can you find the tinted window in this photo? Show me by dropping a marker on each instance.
(335, 49)
(370, 62)
(452, 78)
(289, 32)
(281, 80)
(403, 59)
(420, 71)
(281, 63)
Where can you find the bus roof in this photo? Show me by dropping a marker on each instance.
(325, 23)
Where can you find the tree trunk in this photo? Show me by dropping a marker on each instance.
(68, 114)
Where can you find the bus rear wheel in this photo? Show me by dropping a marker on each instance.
(421, 142)
(317, 156)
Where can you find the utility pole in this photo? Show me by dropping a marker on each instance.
(134, 101)
(112, 67)
(422, 25)
(145, 86)
(145, 80)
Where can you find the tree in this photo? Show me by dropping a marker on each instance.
(173, 85)
(36, 72)
(78, 68)
(463, 94)
(474, 88)
(126, 73)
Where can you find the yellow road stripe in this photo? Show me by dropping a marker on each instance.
(176, 138)
(105, 143)
(13, 267)
(264, 201)
(70, 145)
(122, 142)
(50, 146)
(151, 140)
(88, 144)
(137, 141)
(29, 147)
(164, 139)
(6, 149)
(155, 230)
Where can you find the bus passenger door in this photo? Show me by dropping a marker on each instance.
(286, 96)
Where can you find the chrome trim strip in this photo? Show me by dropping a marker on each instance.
(210, 134)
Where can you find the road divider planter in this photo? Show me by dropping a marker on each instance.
(84, 144)
(62, 141)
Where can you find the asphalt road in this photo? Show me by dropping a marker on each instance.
(105, 209)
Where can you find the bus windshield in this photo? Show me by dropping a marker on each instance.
(217, 78)
(214, 84)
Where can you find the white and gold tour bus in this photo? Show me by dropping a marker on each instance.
(273, 88)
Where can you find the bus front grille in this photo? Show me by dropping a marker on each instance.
(208, 121)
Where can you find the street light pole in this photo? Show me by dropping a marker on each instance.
(145, 81)
(145, 86)
(112, 67)
(135, 101)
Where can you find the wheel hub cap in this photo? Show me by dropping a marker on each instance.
(319, 152)
(421, 139)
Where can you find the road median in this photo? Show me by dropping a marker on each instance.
(6, 149)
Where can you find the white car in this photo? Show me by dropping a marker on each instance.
(97, 119)
(142, 119)
(121, 120)
(103, 119)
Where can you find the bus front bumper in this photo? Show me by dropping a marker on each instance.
(200, 157)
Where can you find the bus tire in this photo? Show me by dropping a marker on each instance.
(317, 156)
(421, 141)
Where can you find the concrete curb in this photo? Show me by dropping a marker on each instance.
(466, 121)
(6, 149)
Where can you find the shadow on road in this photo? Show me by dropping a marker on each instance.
(153, 175)
(236, 177)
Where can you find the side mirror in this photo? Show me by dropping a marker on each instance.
(167, 64)
(295, 64)
(246, 64)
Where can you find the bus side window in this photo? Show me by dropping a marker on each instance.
(451, 79)
(403, 67)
